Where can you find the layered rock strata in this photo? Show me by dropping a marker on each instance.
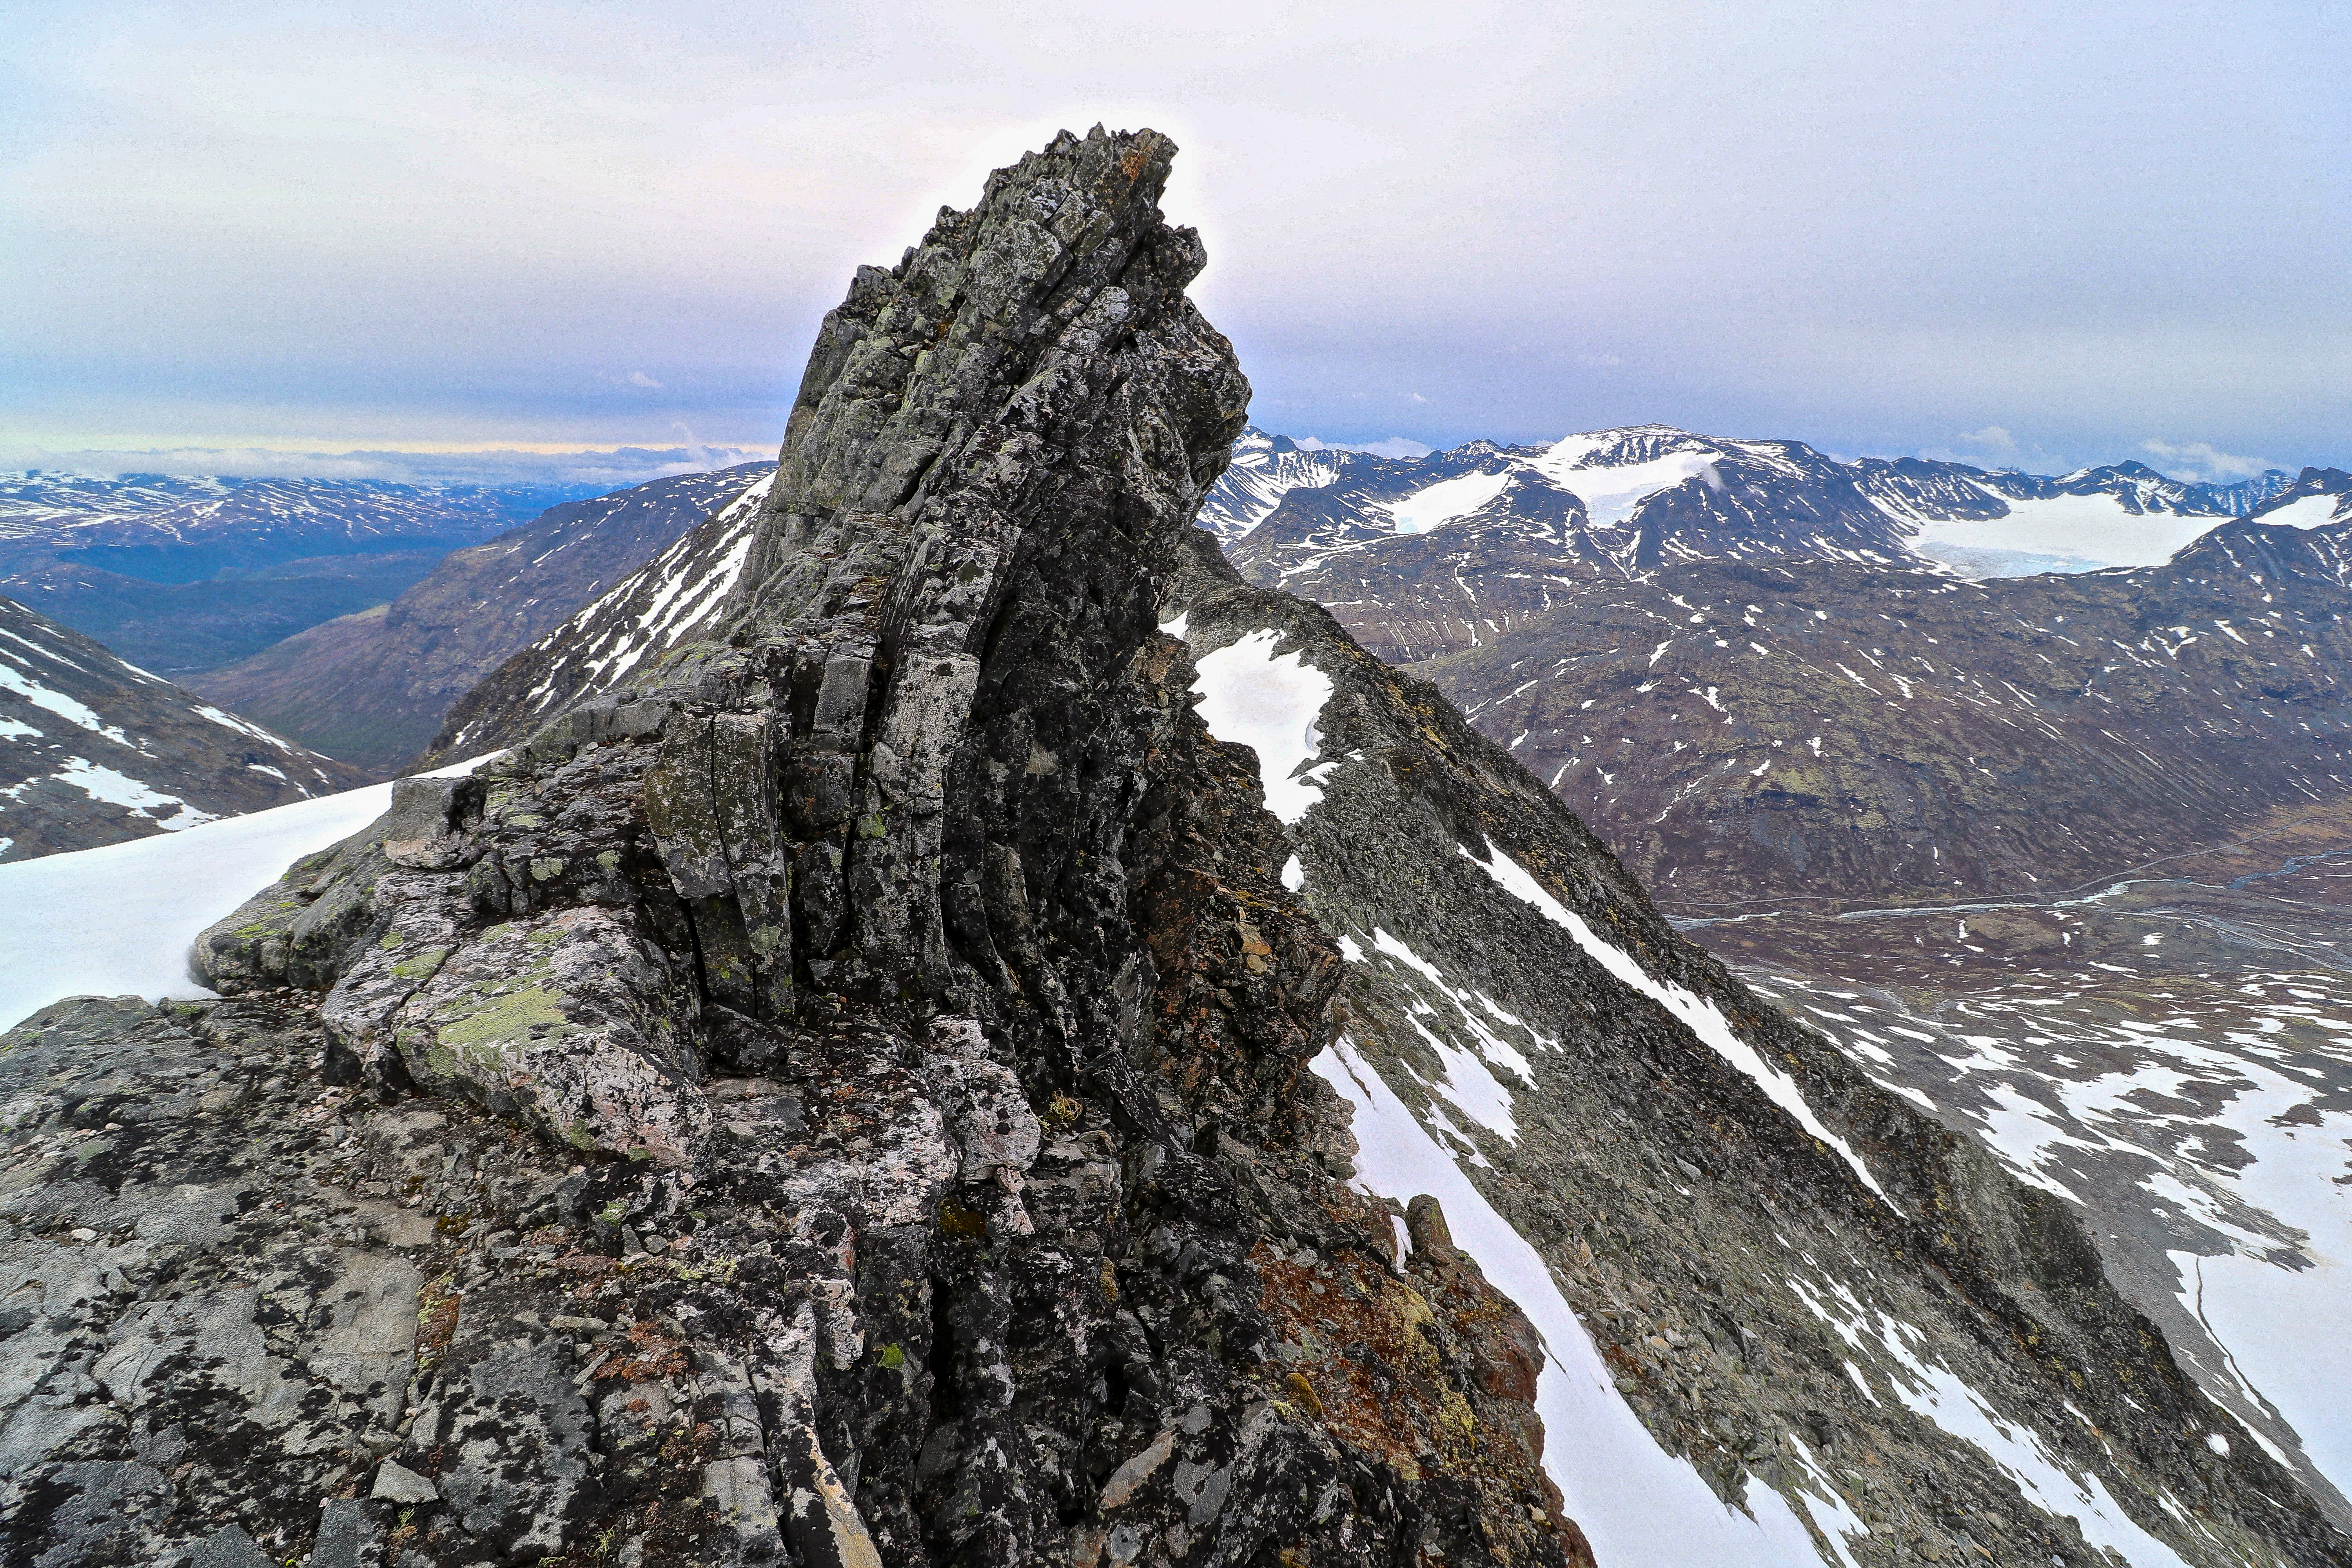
(926, 1167)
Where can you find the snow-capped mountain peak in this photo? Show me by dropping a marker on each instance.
(2317, 496)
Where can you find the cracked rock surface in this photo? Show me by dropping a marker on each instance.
(813, 1105)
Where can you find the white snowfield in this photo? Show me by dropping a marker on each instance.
(2311, 511)
(1269, 702)
(1611, 488)
(1639, 1506)
(1616, 472)
(1448, 501)
(2086, 532)
(119, 919)
(2219, 1111)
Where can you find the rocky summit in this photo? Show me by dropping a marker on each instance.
(987, 1040)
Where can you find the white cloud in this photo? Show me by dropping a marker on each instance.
(1404, 447)
(1415, 397)
(1992, 437)
(2203, 460)
(635, 378)
(1599, 362)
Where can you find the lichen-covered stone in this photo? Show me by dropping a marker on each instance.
(568, 1022)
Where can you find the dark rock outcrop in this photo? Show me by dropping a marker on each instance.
(931, 1204)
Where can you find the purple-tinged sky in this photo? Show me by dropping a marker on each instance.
(2037, 234)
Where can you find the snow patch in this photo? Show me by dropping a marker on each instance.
(1612, 493)
(1702, 1017)
(2308, 511)
(1446, 501)
(230, 720)
(58, 703)
(2082, 533)
(1639, 1506)
(154, 894)
(1269, 703)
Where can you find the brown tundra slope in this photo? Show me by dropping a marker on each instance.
(372, 687)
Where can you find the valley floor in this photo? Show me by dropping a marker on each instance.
(2170, 1050)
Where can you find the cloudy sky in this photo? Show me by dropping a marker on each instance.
(2040, 234)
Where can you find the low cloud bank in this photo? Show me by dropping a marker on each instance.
(607, 469)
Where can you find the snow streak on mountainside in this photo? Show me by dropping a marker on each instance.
(373, 689)
(625, 632)
(94, 750)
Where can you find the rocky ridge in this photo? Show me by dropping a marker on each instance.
(959, 1277)
(94, 751)
(878, 1078)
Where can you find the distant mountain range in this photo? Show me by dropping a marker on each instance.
(373, 688)
(94, 749)
(1635, 498)
(183, 574)
(174, 529)
(1756, 670)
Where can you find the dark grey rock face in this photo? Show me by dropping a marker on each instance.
(94, 750)
(854, 1074)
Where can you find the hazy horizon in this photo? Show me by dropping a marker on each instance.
(617, 468)
(1991, 233)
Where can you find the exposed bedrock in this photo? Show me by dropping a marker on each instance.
(836, 1114)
